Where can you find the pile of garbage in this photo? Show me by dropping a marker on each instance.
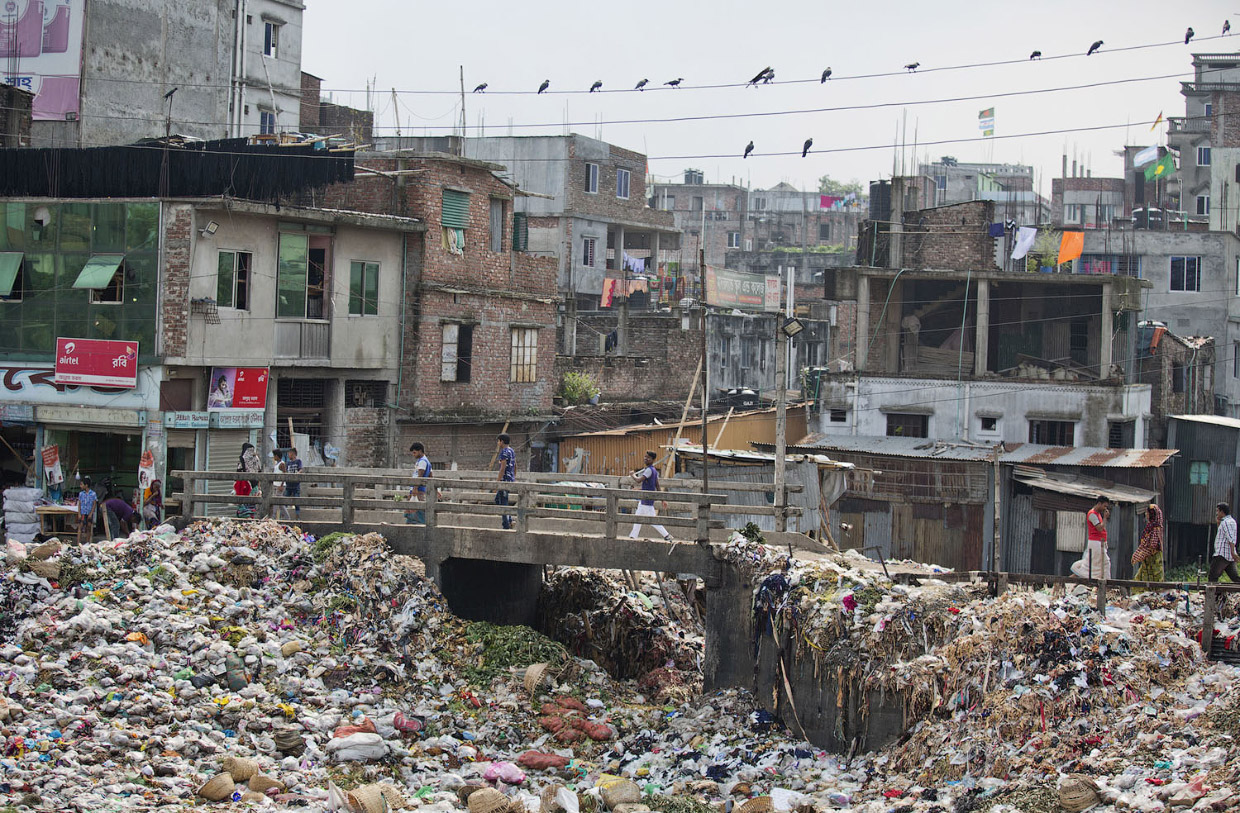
(246, 665)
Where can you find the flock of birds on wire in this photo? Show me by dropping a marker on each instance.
(767, 75)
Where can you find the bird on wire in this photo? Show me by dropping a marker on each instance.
(748, 149)
(759, 76)
(809, 142)
(543, 87)
(825, 76)
(912, 66)
(675, 82)
(1094, 48)
(598, 84)
(480, 88)
(1226, 27)
(1188, 35)
(642, 84)
(1036, 55)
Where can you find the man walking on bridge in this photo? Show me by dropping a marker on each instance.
(507, 472)
(649, 478)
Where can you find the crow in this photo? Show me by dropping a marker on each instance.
(546, 84)
(641, 85)
(748, 149)
(1188, 35)
(598, 83)
(770, 76)
(1097, 44)
(1226, 27)
(912, 66)
(675, 82)
(809, 142)
(760, 76)
(480, 88)
(825, 76)
(1036, 55)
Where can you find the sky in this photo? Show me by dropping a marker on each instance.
(417, 47)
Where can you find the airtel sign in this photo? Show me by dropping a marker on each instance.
(96, 363)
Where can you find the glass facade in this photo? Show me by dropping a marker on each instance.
(57, 240)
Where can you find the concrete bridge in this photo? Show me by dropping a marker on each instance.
(494, 574)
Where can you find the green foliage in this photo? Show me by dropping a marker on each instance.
(578, 388)
(323, 547)
(753, 533)
(500, 648)
(829, 186)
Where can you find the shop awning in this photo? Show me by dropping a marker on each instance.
(1080, 486)
(99, 270)
(10, 265)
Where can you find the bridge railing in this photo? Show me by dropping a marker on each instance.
(448, 499)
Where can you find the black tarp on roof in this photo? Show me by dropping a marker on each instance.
(232, 167)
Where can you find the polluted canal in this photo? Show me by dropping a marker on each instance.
(247, 666)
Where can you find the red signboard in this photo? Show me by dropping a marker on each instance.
(96, 363)
(237, 388)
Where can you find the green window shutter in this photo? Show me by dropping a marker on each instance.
(370, 290)
(520, 232)
(356, 270)
(10, 267)
(291, 272)
(98, 271)
(225, 279)
(455, 209)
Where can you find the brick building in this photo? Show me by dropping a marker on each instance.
(1180, 372)
(1086, 202)
(326, 118)
(713, 217)
(15, 116)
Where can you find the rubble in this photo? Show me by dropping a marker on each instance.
(327, 675)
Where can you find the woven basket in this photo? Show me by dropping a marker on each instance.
(628, 807)
(465, 791)
(535, 677)
(45, 551)
(394, 796)
(487, 800)
(621, 792)
(367, 799)
(253, 796)
(261, 783)
(546, 799)
(46, 570)
(1078, 793)
(758, 804)
(217, 788)
(240, 769)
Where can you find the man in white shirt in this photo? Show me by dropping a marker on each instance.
(1224, 558)
(649, 479)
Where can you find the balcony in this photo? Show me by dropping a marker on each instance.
(303, 339)
(1184, 124)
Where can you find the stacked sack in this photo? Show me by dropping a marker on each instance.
(20, 521)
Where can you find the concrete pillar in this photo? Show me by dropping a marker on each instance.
(862, 347)
(729, 636)
(895, 257)
(1104, 339)
(891, 328)
(622, 327)
(981, 342)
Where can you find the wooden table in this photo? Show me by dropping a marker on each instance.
(52, 515)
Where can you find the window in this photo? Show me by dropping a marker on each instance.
(232, 280)
(990, 423)
(457, 359)
(363, 288)
(697, 203)
(734, 239)
(365, 393)
(592, 178)
(497, 224)
(1235, 359)
(824, 231)
(520, 232)
(301, 274)
(1209, 109)
(759, 204)
(1186, 273)
(1203, 156)
(764, 348)
(622, 183)
(104, 276)
(266, 122)
(838, 416)
(1199, 473)
(940, 182)
(667, 202)
(1053, 433)
(1120, 434)
(907, 425)
(725, 348)
(271, 40)
(1203, 204)
(524, 367)
(11, 276)
(587, 251)
(455, 209)
(1179, 377)
(1078, 341)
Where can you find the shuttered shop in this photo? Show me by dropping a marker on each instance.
(223, 452)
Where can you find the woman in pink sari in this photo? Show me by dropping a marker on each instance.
(1148, 557)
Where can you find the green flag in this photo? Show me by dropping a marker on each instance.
(1163, 169)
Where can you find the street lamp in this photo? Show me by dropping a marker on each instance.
(791, 326)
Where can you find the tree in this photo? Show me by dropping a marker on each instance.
(828, 186)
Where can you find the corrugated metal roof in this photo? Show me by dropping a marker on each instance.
(741, 456)
(1026, 453)
(1079, 486)
(1217, 420)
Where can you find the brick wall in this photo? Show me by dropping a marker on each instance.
(354, 124)
(1225, 121)
(1159, 371)
(605, 203)
(174, 299)
(1058, 185)
(660, 363)
(15, 116)
(366, 436)
(951, 237)
(311, 87)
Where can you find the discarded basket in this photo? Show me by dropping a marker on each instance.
(624, 791)
(261, 783)
(1077, 793)
(535, 677)
(45, 551)
(289, 741)
(395, 798)
(465, 791)
(758, 804)
(239, 769)
(217, 788)
(46, 570)
(367, 799)
(487, 800)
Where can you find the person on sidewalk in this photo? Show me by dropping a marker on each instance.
(507, 472)
(293, 465)
(278, 466)
(1224, 558)
(649, 479)
(1148, 557)
(1096, 561)
(421, 468)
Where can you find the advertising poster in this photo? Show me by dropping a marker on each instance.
(52, 473)
(41, 51)
(237, 388)
(96, 362)
(734, 289)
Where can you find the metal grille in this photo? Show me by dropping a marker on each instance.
(365, 393)
(301, 393)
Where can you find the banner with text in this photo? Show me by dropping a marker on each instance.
(734, 289)
(237, 388)
(41, 41)
(96, 362)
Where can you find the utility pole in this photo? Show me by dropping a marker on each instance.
(396, 109)
(462, 147)
(781, 418)
(705, 371)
